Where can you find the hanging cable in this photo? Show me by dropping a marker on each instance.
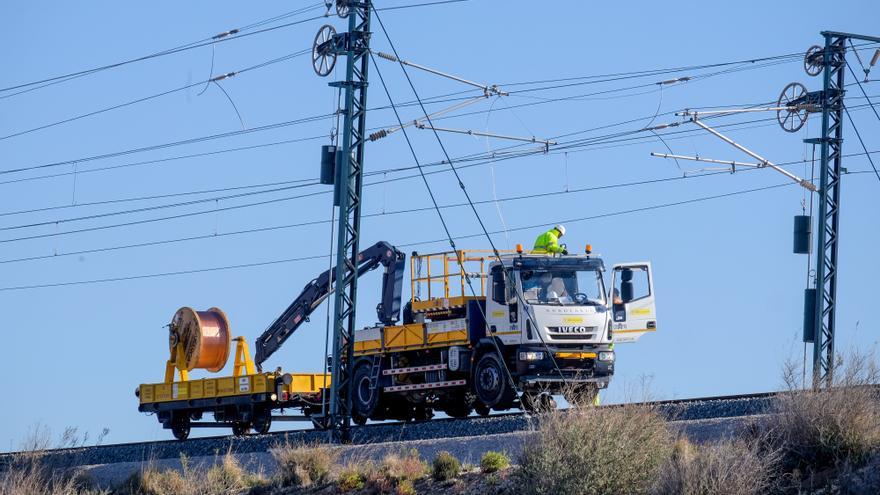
(437, 208)
(858, 135)
(476, 214)
(863, 90)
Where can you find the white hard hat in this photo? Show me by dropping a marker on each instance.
(561, 229)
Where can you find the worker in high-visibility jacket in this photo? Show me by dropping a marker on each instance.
(548, 242)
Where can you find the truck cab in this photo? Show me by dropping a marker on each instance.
(556, 322)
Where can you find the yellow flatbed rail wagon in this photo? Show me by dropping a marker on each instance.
(534, 326)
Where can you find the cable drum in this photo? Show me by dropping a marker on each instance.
(205, 337)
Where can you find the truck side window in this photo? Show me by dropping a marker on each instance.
(499, 288)
(630, 284)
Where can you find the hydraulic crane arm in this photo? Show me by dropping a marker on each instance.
(319, 289)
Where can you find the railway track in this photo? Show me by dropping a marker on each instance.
(676, 410)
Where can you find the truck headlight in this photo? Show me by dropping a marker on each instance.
(607, 356)
(531, 356)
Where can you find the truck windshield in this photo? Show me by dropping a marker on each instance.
(563, 287)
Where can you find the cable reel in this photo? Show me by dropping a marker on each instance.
(792, 109)
(814, 60)
(323, 54)
(199, 339)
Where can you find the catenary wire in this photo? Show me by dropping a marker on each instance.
(157, 95)
(580, 144)
(413, 244)
(307, 119)
(220, 38)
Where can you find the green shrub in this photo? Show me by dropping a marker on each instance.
(350, 480)
(445, 466)
(494, 461)
(595, 451)
(405, 487)
(302, 465)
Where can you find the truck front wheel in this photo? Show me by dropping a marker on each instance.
(492, 381)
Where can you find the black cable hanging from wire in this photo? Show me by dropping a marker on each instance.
(436, 206)
(859, 135)
(472, 206)
(863, 91)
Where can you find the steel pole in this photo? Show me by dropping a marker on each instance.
(349, 189)
(829, 212)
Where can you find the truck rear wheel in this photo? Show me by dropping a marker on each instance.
(364, 398)
(459, 404)
(491, 381)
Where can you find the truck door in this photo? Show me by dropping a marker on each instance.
(632, 301)
(502, 312)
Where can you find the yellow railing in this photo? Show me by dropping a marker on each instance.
(445, 275)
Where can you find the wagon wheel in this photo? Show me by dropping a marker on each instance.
(323, 57)
(792, 117)
(813, 60)
(342, 8)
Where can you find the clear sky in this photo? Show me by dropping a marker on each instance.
(729, 290)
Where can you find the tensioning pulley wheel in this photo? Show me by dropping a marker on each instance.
(323, 56)
(792, 116)
(205, 337)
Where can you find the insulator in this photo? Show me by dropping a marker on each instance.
(378, 135)
(387, 56)
(875, 58)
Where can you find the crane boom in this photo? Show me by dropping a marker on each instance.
(381, 253)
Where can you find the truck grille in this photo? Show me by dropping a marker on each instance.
(572, 336)
(572, 332)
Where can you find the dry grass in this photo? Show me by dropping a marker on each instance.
(728, 467)
(27, 475)
(224, 477)
(396, 474)
(303, 465)
(819, 430)
(595, 451)
(405, 466)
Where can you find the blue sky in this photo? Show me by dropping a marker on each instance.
(729, 290)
